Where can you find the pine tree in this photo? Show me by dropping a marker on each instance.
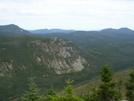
(68, 90)
(50, 92)
(107, 91)
(130, 87)
(33, 93)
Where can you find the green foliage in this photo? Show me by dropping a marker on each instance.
(33, 93)
(69, 95)
(130, 87)
(92, 97)
(116, 50)
(106, 74)
(51, 91)
(107, 91)
(65, 98)
(69, 89)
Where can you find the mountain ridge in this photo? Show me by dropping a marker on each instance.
(120, 30)
(53, 57)
(16, 29)
(13, 28)
(51, 31)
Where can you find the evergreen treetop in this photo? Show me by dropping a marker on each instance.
(33, 93)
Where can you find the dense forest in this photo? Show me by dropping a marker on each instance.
(108, 90)
(67, 63)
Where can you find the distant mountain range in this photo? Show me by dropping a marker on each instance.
(54, 57)
(51, 31)
(41, 31)
(121, 30)
(16, 29)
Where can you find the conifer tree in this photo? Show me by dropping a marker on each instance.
(69, 95)
(106, 90)
(33, 93)
(51, 91)
(69, 89)
(130, 87)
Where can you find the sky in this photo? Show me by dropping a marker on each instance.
(68, 14)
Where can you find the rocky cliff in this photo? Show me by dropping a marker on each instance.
(50, 60)
(59, 55)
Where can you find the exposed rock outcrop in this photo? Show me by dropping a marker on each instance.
(59, 55)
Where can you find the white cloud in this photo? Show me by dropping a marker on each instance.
(62, 13)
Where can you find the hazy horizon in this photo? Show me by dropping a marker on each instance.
(64, 29)
(68, 14)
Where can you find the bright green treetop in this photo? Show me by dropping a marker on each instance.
(33, 93)
(69, 95)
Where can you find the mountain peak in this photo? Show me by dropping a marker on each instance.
(120, 30)
(109, 29)
(12, 28)
(9, 25)
(125, 30)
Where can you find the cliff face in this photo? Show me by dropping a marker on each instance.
(37, 54)
(64, 56)
(44, 58)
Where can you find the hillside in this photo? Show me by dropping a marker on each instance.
(113, 47)
(59, 54)
(23, 56)
(52, 58)
(85, 38)
(86, 89)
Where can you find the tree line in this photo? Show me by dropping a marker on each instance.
(106, 91)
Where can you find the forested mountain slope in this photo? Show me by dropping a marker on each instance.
(121, 78)
(25, 56)
(52, 59)
(114, 47)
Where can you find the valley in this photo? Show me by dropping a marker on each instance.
(53, 58)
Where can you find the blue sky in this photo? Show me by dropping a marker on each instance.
(68, 14)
